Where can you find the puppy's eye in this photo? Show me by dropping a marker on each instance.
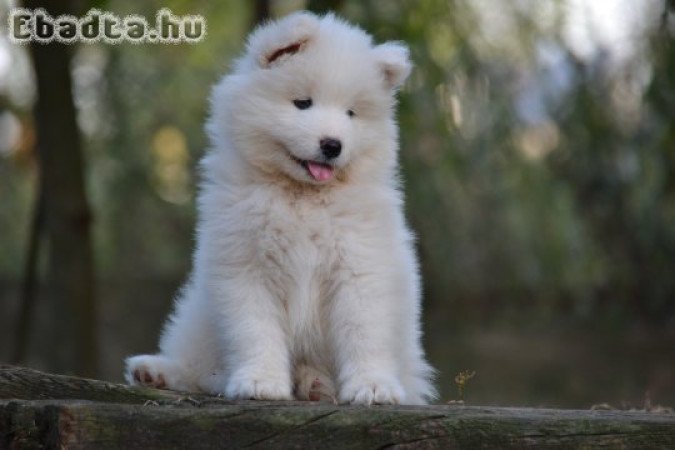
(351, 113)
(303, 104)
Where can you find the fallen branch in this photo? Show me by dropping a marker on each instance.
(44, 410)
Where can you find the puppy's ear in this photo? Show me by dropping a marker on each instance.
(394, 62)
(274, 42)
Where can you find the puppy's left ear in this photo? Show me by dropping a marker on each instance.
(394, 62)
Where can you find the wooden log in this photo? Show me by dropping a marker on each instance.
(39, 410)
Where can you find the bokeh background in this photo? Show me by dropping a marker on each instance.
(538, 153)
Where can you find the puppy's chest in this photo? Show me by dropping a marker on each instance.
(297, 243)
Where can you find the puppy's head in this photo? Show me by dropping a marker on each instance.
(312, 99)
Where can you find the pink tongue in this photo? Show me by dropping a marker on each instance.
(320, 172)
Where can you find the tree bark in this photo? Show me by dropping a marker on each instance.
(42, 410)
(70, 274)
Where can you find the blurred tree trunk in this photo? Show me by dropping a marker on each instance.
(262, 8)
(324, 6)
(70, 273)
(30, 278)
(262, 11)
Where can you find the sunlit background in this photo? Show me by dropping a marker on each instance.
(538, 153)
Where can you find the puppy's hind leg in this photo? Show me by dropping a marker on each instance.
(313, 385)
(157, 371)
(186, 350)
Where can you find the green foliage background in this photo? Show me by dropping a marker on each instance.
(546, 232)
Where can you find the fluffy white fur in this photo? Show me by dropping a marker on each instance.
(301, 288)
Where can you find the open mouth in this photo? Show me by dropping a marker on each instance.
(317, 170)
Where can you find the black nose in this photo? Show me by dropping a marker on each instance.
(330, 147)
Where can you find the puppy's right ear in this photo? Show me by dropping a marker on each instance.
(274, 42)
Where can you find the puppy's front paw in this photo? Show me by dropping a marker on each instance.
(242, 386)
(365, 390)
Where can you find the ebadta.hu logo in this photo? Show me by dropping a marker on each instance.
(26, 25)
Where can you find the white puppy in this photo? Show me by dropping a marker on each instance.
(305, 281)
